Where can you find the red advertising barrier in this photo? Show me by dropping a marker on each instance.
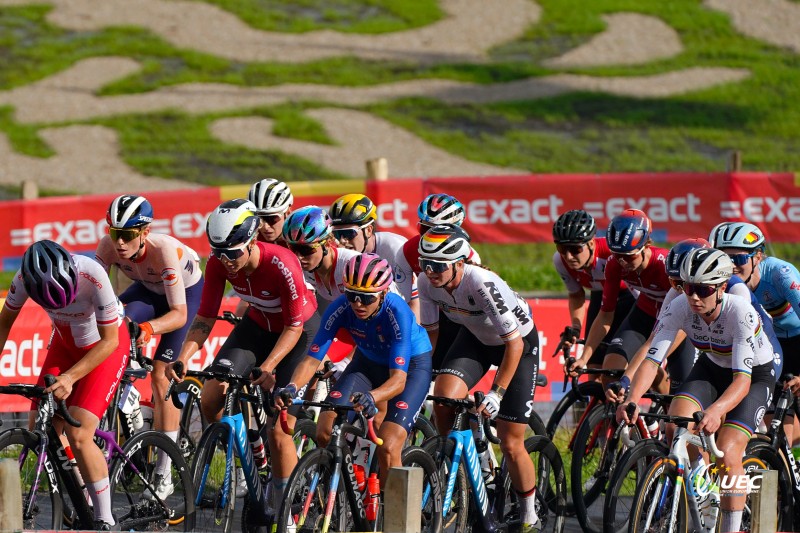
(502, 209)
(24, 352)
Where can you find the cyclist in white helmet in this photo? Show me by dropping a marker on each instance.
(273, 201)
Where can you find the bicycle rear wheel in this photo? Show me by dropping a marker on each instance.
(43, 508)
(215, 500)
(307, 492)
(143, 498)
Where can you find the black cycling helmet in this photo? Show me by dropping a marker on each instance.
(574, 227)
(49, 275)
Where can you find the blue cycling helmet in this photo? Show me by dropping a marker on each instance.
(441, 209)
(129, 211)
(629, 232)
(307, 225)
(679, 252)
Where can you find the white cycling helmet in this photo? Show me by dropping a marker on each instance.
(232, 223)
(741, 235)
(706, 266)
(270, 197)
(445, 243)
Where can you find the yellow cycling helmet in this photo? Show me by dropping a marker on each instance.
(354, 209)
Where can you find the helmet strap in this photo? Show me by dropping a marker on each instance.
(321, 259)
(366, 239)
(752, 270)
(141, 246)
(717, 301)
(589, 261)
(452, 277)
(377, 309)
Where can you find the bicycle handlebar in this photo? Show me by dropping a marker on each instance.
(466, 404)
(226, 377)
(229, 317)
(328, 406)
(567, 335)
(708, 441)
(35, 391)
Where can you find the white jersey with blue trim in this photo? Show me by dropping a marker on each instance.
(390, 247)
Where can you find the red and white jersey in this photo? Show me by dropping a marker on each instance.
(411, 254)
(276, 290)
(390, 247)
(333, 285)
(591, 278)
(166, 266)
(652, 283)
(95, 305)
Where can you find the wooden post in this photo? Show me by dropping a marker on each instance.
(402, 501)
(763, 503)
(736, 161)
(30, 190)
(10, 496)
(377, 169)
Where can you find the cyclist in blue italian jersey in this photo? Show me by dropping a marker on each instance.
(391, 368)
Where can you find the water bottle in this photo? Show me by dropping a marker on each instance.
(373, 496)
(74, 465)
(655, 429)
(361, 479)
(257, 444)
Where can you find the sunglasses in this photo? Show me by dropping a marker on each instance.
(626, 258)
(573, 249)
(228, 254)
(304, 249)
(436, 267)
(364, 298)
(345, 234)
(676, 284)
(741, 259)
(127, 235)
(702, 291)
(271, 220)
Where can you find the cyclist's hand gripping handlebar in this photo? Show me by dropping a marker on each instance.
(60, 405)
(171, 392)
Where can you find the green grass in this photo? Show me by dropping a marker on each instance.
(570, 133)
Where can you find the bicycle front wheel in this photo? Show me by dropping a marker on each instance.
(431, 516)
(655, 497)
(456, 513)
(304, 505)
(42, 508)
(145, 497)
(215, 501)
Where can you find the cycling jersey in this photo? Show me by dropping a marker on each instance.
(411, 254)
(652, 283)
(276, 290)
(166, 266)
(735, 340)
(333, 286)
(390, 338)
(779, 293)
(95, 305)
(591, 278)
(482, 302)
(390, 247)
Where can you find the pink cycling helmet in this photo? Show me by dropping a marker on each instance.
(367, 273)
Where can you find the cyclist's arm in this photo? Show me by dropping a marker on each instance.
(600, 328)
(109, 341)
(197, 335)
(7, 319)
(391, 387)
(173, 319)
(304, 371)
(577, 309)
(508, 366)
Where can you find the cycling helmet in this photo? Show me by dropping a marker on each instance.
(706, 266)
(271, 197)
(737, 235)
(232, 224)
(679, 252)
(307, 225)
(367, 273)
(129, 211)
(441, 209)
(49, 275)
(628, 232)
(574, 227)
(445, 242)
(353, 209)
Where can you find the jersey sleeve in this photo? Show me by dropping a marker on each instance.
(498, 307)
(213, 289)
(105, 254)
(168, 264)
(787, 278)
(17, 295)
(401, 320)
(563, 272)
(429, 311)
(747, 339)
(332, 321)
(611, 285)
(404, 277)
(666, 328)
(104, 300)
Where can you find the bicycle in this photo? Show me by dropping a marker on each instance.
(324, 493)
(493, 500)
(213, 469)
(135, 503)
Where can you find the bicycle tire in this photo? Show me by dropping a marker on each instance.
(423, 430)
(459, 518)
(431, 511)
(305, 436)
(13, 444)
(551, 487)
(133, 500)
(593, 462)
(208, 473)
(563, 423)
(537, 425)
(659, 484)
(192, 423)
(625, 479)
(764, 451)
(303, 507)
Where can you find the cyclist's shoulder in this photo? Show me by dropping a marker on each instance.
(778, 271)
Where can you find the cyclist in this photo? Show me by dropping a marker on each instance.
(433, 210)
(391, 368)
(733, 378)
(88, 351)
(636, 261)
(354, 219)
(274, 333)
(580, 261)
(273, 201)
(496, 329)
(163, 299)
(774, 283)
